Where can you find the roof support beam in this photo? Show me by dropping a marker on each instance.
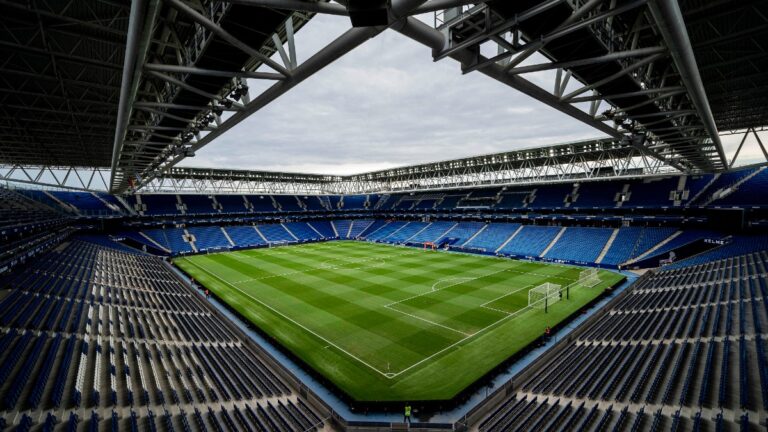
(296, 5)
(139, 34)
(220, 32)
(208, 72)
(435, 40)
(667, 15)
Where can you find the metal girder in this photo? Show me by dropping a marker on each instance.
(670, 22)
(63, 177)
(295, 73)
(173, 100)
(583, 160)
(628, 73)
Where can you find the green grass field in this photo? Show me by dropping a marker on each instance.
(387, 323)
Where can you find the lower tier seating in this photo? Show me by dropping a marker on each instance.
(683, 349)
(88, 328)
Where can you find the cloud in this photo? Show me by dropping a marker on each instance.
(385, 104)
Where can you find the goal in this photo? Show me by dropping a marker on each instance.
(430, 245)
(544, 295)
(589, 278)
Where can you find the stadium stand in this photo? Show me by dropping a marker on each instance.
(407, 231)
(111, 331)
(261, 203)
(433, 232)
(302, 231)
(342, 227)
(287, 203)
(683, 347)
(198, 204)
(491, 237)
(275, 233)
(89, 203)
(579, 244)
(359, 226)
(531, 240)
(207, 238)
(107, 322)
(231, 203)
(631, 242)
(245, 236)
(324, 228)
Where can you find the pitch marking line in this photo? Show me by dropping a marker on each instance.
(460, 341)
(433, 290)
(484, 305)
(428, 321)
(294, 322)
(388, 375)
(460, 279)
(307, 270)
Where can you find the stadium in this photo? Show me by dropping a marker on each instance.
(612, 283)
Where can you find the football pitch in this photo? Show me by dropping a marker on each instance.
(388, 323)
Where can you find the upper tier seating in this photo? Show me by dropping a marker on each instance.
(752, 193)
(17, 211)
(596, 194)
(287, 203)
(231, 203)
(651, 193)
(88, 203)
(513, 199)
(160, 204)
(116, 331)
(354, 202)
(724, 180)
(315, 203)
(550, 196)
(198, 204)
(261, 203)
(449, 202)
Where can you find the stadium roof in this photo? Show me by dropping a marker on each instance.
(576, 161)
(70, 96)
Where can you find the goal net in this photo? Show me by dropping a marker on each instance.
(589, 278)
(544, 295)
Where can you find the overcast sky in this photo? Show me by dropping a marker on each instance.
(387, 104)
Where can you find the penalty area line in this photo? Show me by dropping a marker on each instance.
(310, 331)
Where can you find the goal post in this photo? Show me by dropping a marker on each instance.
(589, 278)
(544, 295)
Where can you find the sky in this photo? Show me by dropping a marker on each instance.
(388, 104)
